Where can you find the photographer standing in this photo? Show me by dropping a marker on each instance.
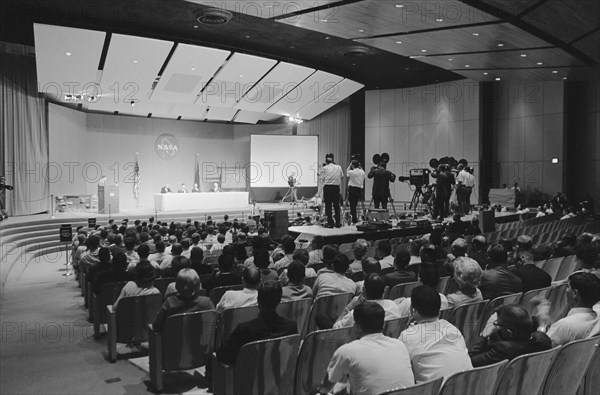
(465, 183)
(443, 190)
(331, 176)
(381, 183)
(356, 179)
(3, 187)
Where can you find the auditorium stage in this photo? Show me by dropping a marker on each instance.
(349, 234)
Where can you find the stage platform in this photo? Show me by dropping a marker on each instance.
(349, 234)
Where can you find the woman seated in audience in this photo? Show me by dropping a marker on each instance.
(196, 259)
(296, 289)
(186, 300)
(512, 334)
(143, 284)
(467, 274)
(104, 259)
(316, 250)
(117, 273)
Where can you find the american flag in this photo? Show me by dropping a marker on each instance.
(136, 180)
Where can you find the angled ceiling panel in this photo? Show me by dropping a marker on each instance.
(329, 98)
(504, 60)
(537, 74)
(513, 7)
(590, 45)
(280, 80)
(248, 117)
(374, 17)
(67, 59)
(131, 66)
(220, 114)
(240, 73)
(189, 69)
(264, 9)
(308, 91)
(495, 37)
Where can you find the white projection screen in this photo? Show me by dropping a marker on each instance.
(274, 158)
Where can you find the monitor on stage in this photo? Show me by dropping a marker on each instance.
(275, 158)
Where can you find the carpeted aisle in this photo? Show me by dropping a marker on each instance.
(47, 345)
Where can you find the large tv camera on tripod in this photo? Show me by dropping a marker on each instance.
(416, 177)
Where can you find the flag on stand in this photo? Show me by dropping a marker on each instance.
(136, 180)
(197, 174)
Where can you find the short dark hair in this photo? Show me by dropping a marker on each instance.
(369, 316)
(426, 301)
(497, 255)
(588, 255)
(301, 255)
(176, 249)
(516, 318)
(251, 277)
(402, 258)
(185, 243)
(428, 253)
(261, 258)
(296, 272)
(429, 274)
(288, 244)
(374, 286)
(385, 247)
(160, 247)
(180, 262)
(329, 252)
(196, 255)
(226, 262)
(588, 287)
(340, 263)
(370, 265)
(269, 294)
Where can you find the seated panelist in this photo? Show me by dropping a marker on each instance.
(182, 189)
(165, 189)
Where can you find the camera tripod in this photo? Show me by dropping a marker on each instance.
(390, 200)
(291, 195)
(416, 198)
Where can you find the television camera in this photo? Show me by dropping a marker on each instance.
(417, 177)
(4, 186)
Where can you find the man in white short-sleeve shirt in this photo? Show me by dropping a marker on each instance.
(436, 347)
(372, 364)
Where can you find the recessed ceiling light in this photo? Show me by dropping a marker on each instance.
(497, 78)
(450, 59)
(353, 64)
(423, 50)
(476, 34)
(554, 71)
(467, 65)
(196, 26)
(327, 38)
(68, 53)
(241, 75)
(324, 20)
(399, 5)
(523, 55)
(485, 73)
(247, 36)
(361, 30)
(193, 69)
(398, 42)
(564, 78)
(540, 63)
(439, 20)
(134, 61)
(500, 45)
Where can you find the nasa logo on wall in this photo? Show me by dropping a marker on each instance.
(166, 146)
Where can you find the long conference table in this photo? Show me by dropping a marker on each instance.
(199, 201)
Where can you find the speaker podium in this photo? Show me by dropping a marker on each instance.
(108, 195)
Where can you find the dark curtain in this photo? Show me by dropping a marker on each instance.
(23, 132)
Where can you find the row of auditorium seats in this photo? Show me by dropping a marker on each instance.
(526, 222)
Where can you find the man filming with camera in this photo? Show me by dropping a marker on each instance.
(356, 179)
(331, 176)
(381, 181)
(3, 187)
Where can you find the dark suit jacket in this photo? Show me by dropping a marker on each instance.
(165, 190)
(381, 181)
(499, 281)
(268, 325)
(533, 277)
(487, 352)
(399, 277)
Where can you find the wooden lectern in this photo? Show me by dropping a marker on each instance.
(108, 195)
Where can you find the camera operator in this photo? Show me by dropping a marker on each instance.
(3, 187)
(381, 183)
(443, 190)
(331, 176)
(356, 179)
(465, 183)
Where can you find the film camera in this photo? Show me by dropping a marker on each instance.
(4, 186)
(417, 177)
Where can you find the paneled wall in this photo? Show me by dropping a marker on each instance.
(528, 118)
(416, 124)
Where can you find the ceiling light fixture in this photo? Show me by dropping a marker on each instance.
(554, 71)
(500, 45)
(540, 63)
(485, 73)
(450, 59)
(134, 61)
(423, 50)
(213, 16)
(398, 42)
(68, 53)
(293, 119)
(193, 69)
(327, 38)
(476, 34)
(467, 65)
(523, 55)
(497, 78)
(361, 30)
(564, 78)
(399, 5)
(439, 20)
(196, 26)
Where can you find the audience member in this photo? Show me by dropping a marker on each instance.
(103, 264)
(513, 334)
(467, 274)
(246, 297)
(179, 262)
(268, 325)
(197, 261)
(115, 274)
(132, 257)
(143, 284)
(497, 280)
(329, 253)
(429, 275)
(478, 251)
(384, 253)
(436, 347)
(176, 250)
(400, 275)
(532, 276)
(187, 299)
(301, 256)
(566, 245)
(336, 282)
(262, 262)
(296, 289)
(90, 257)
(289, 245)
(225, 275)
(316, 250)
(372, 364)
(361, 246)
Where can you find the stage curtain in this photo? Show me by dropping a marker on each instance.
(23, 132)
(333, 129)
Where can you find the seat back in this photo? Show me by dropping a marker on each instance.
(134, 313)
(569, 366)
(316, 352)
(531, 298)
(162, 283)
(491, 307)
(427, 388)
(297, 311)
(346, 247)
(210, 259)
(310, 281)
(188, 340)
(393, 328)
(217, 292)
(467, 319)
(480, 381)
(568, 265)
(230, 318)
(332, 305)
(591, 381)
(109, 293)
(443, 284)
(558, 301)
(402, 290)
(551, 266)
(525, 374)
(266, 367)
(357, 276)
